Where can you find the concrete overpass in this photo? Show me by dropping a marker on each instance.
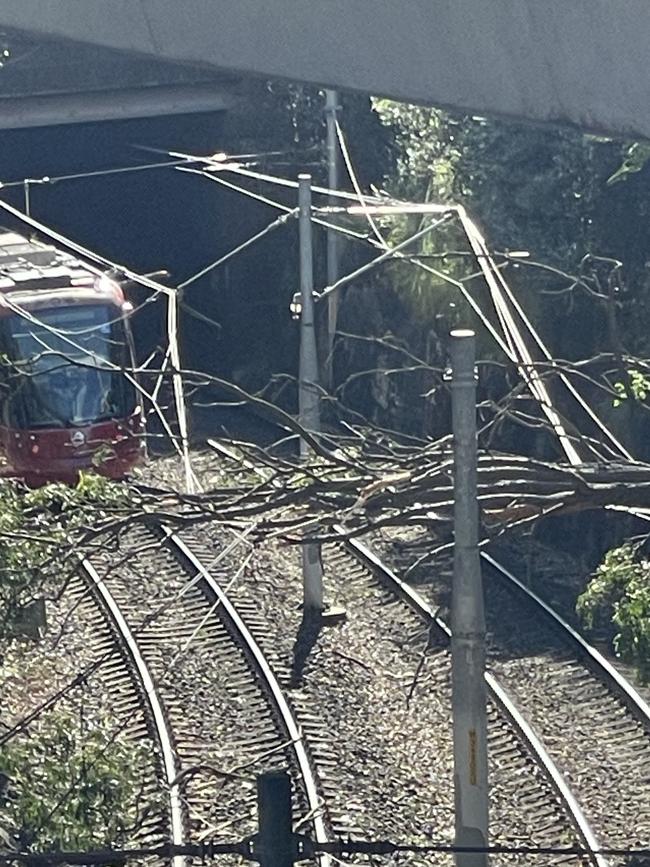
(581, 62)
(46, 80)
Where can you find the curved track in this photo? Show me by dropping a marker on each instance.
(604, 670)
(154, 712)
(198, 605)
(500, 698)
(266, 676)
(595, 723)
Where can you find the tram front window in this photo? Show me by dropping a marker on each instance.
(64, 367)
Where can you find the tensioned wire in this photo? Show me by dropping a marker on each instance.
(511, 334)
(381, 242)
(120, 170)
(221, 165)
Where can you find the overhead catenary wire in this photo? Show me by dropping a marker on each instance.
(514, 347)
(85, 252)
(281, 221)
(511, 351)
(394, 250)
(643, 514)
(229, 185)
(209, 849)
(381, 242)
(496, 280)
(562, 375)
(224, 163)
(357, 188)
(120, 170)
(93, 173)
(272, 203)
(526, 364)
(506, 342)
(219, 163)
(389, 253)
(191, 481)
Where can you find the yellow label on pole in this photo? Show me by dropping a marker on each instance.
(472, 758)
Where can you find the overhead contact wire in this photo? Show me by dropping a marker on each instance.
(281, 221)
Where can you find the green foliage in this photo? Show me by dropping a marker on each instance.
(636, 156)
(619, 593)
(546, 190)
(290, 118)
(638, 387)
(65, 783)
(427, 151)
(35, 525)
(68, 785)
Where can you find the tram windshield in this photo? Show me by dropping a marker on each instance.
(65, 367)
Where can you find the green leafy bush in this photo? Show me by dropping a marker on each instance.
(67, 784)
(38, 530)
(638, 386)
(619, 593)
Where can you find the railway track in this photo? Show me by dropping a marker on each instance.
(289, 725)
(561, 681)
(547, 796)
(591, 721)
(513, 742)
(131, 675)
(550, 801)
(210, 697)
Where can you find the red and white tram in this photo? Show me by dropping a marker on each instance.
(67, 399)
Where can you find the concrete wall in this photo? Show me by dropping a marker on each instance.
(570, 61)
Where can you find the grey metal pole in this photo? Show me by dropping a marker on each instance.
(275, 838)
(308, 400)
(467, 616)
(333, 249)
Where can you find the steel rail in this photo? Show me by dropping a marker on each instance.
(601, 666)
(268, 677)
(499, 696)
(161, 728)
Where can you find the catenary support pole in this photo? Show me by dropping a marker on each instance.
(275, 838)
(467, 616)
(333, 249)
(309, 412)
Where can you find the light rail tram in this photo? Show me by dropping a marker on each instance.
(68, 399)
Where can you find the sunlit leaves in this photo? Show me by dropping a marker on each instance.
(636, 156)
(72, 784)
(35, 527)
(620, 591)
(638, 388)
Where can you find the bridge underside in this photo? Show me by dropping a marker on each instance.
(47, 81)
(581, 62)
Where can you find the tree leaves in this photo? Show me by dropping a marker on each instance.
(34, 526)
(635, 159)
(69, 785)
(620, 592)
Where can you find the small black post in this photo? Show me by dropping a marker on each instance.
(275, 838)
